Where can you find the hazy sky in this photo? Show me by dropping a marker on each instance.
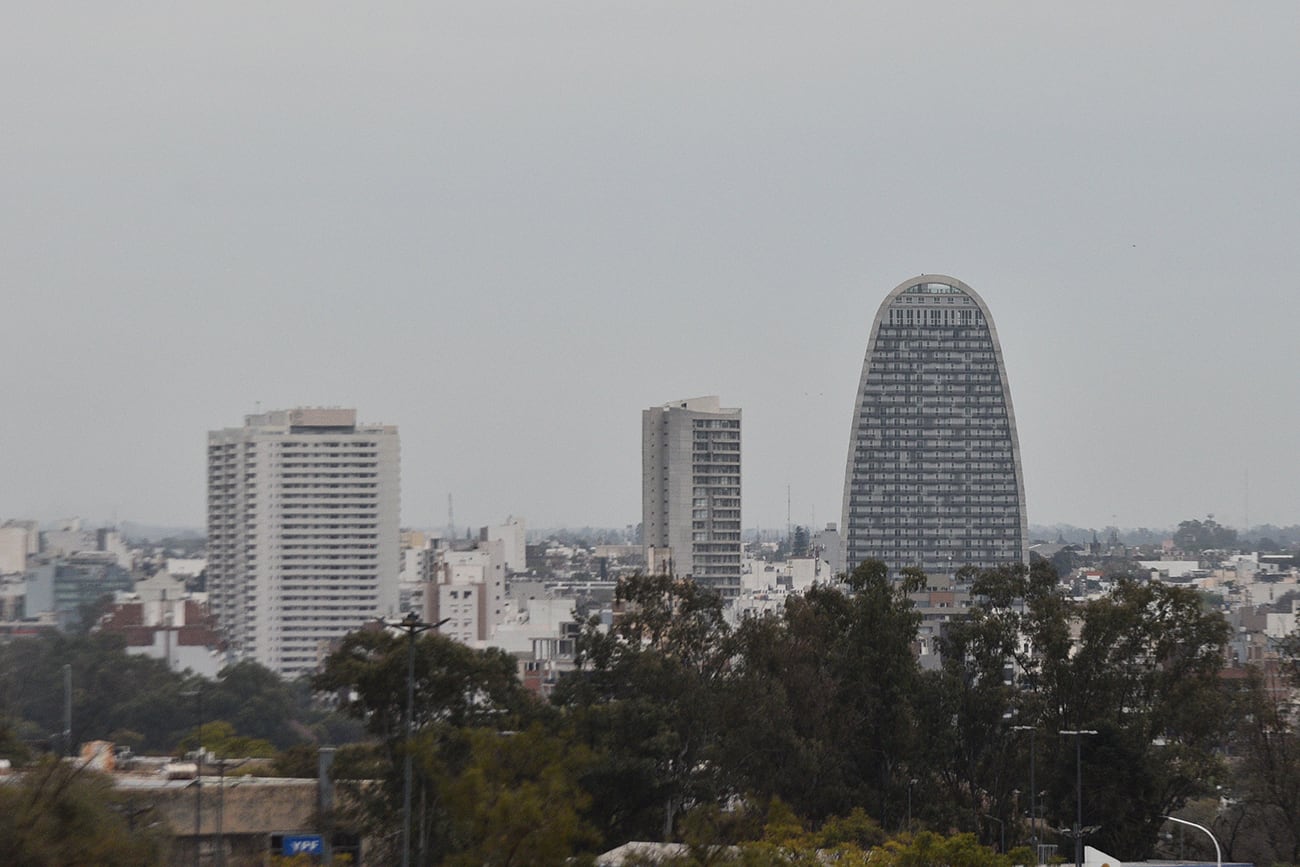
(509, 227)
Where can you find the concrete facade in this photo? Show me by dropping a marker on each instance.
(302, 532)
(13, 550)
(690, 491)
(467, 589)
(512, 534)
(933, 477)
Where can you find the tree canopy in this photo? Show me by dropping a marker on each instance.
(764, 740)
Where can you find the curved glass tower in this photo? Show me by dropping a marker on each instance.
(933, 477)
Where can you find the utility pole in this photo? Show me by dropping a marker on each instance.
(197, 692)
(1033, 788)
(67, 708)
(1078, 790)
(412, 626)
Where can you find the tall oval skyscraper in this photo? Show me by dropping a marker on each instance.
(933, 477)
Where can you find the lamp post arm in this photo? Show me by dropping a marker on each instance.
(1218, 853)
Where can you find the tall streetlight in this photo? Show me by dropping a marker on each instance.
(1078, 791)
(412, 626)
(1033, 787)
(1218, 853)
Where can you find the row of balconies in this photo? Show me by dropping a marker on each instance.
(342, 463)
(322, 546)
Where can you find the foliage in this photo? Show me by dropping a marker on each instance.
(136, 698)
(63, 816)
(454, 684)
(1145, 676)
(643, 703)
(819, 708)
(810, 730)
(799, 544)
(465, 702)
(300, 760)
(219, 737)
(970, 752)
(12, 747)
(927, 849)
(1266, 776)
(1197, 536)
(516, 800)
(111, 690)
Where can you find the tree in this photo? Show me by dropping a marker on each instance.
(220, 738)
(1266, 777)
(514, 800)
(930, 850)
(819, 704)
(799, 546)
(1145, 676)
(645, 701)
(12, 747)
(1196, 536)
(454, 683)
(971, 757)
(456, 689)
(60, 815)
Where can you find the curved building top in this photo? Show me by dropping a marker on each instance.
(933, 476)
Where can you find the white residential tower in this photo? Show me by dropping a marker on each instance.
(302, 532)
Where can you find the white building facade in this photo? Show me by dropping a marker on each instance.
(467, 590)
(303, 524)
(690, 491)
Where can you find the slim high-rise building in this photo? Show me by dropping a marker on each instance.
(302, 532)
(933, 477)
(690, 491)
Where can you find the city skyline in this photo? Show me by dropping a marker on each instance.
(467, 219)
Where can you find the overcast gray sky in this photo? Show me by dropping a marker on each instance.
(507, 227)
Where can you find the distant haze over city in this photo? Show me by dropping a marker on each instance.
(507, 228)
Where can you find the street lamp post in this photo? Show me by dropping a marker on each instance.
(1218, 853)
(412, 626)
(1078, 790)
(1033, 787)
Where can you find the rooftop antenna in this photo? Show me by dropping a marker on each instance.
(1246, 518)
(789, 528)
(451, 519)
